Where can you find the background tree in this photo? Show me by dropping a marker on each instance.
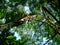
(29, 22)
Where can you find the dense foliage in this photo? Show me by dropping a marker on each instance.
(29, 22)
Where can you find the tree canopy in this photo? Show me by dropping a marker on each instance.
(29, 22)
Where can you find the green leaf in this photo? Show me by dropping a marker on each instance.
(10, 37)
(1, 22)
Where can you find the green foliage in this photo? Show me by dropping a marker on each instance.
(32, 31)
(1, 22)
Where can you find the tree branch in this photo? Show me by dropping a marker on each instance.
(27, 18)
(45, 8)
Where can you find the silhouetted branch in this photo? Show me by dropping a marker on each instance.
(45, 8)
